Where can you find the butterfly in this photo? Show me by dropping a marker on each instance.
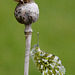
(48, 64)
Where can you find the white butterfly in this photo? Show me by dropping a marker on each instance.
(48, 64)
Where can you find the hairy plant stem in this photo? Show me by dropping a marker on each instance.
(28, 33)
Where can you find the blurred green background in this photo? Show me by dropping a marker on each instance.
(56, 25)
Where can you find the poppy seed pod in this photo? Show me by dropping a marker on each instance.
(27, 13)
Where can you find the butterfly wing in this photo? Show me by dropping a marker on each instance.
(48, 64)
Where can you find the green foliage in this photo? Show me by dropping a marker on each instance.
(56, 25)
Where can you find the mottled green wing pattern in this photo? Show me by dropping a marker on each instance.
(47, 64)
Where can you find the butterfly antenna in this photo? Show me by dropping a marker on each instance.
(38, 37)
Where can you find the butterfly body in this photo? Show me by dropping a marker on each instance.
(48, 64)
